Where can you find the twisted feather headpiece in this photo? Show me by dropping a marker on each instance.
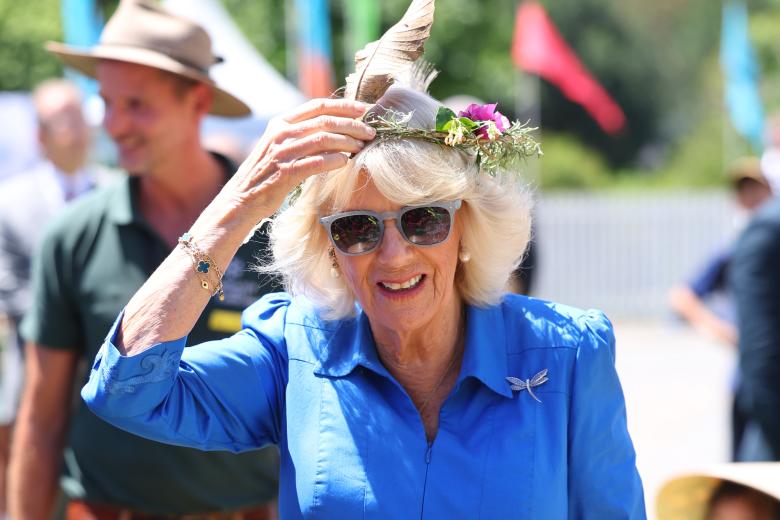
(397, 58)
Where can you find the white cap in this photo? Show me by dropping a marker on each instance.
(770, 167)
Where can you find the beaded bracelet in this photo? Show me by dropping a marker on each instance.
(203, 263)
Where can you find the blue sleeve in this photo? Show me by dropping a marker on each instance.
(603, 479)
(219, 395)
(755, 283)
(712, 277)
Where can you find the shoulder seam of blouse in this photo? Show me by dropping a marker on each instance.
(550, 347)
(307, 326)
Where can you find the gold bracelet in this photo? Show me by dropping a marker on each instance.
(203, 264)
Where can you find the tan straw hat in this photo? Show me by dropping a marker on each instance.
(747, 168)
(144, 33)
(686, 497)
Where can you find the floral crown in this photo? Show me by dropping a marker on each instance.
(397, 58)
(480, 130)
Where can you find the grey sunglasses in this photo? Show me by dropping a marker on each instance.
(361, 231)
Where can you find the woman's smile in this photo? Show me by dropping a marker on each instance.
(402, 287)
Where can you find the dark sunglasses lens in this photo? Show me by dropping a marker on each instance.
(426, 226)
(356, 233)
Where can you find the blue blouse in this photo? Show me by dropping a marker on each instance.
(352, 443)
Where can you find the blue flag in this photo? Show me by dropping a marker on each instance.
(315, 75)
(740, 69)
(82, 24)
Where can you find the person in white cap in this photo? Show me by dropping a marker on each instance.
(153, 72)
(754, 279)
(705, 301)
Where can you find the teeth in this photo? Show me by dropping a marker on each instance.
(405, 285)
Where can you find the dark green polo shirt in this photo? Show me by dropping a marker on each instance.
(94, 257)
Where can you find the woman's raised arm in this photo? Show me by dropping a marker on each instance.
(314, 138)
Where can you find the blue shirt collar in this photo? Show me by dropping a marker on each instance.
(486, 349)
(352, 345)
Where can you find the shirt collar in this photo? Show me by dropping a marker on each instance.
(124, 205)
(486, 350)
(75, 184)
(352, 344)
(484, 359)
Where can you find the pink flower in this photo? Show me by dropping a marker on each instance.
(480, 113)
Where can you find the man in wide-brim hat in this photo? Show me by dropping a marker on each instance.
(140, 32)
(153, 72)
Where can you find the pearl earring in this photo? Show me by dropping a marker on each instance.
(464, 255)
(334, 265)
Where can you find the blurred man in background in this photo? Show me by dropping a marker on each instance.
(706, 302)
(754, 278)
(27, 201)
(152, 69)
(751, 190)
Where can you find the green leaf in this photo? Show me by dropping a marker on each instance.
(444, 116)
(469, 124)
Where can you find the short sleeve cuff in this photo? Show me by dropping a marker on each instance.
(126, 386)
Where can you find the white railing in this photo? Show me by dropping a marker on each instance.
(622, 252)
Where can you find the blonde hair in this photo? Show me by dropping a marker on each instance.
(495, 216)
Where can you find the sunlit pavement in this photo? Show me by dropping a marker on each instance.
(677, 387)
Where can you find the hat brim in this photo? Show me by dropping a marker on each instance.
(85, 61)
(736, 178)
(686, 497)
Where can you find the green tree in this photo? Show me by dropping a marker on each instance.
(652, 57)
(647, 55)
(24, 26)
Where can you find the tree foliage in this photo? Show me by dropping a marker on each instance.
(657, 59)
(647, 55)
(24, 26)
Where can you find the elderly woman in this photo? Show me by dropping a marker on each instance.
(396, 378)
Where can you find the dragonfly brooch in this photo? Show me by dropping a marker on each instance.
(518, 384)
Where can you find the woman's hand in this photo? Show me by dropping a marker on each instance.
(314, 138)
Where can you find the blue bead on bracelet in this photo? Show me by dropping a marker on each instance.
(203, 264)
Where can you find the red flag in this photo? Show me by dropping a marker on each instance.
(539, 48)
